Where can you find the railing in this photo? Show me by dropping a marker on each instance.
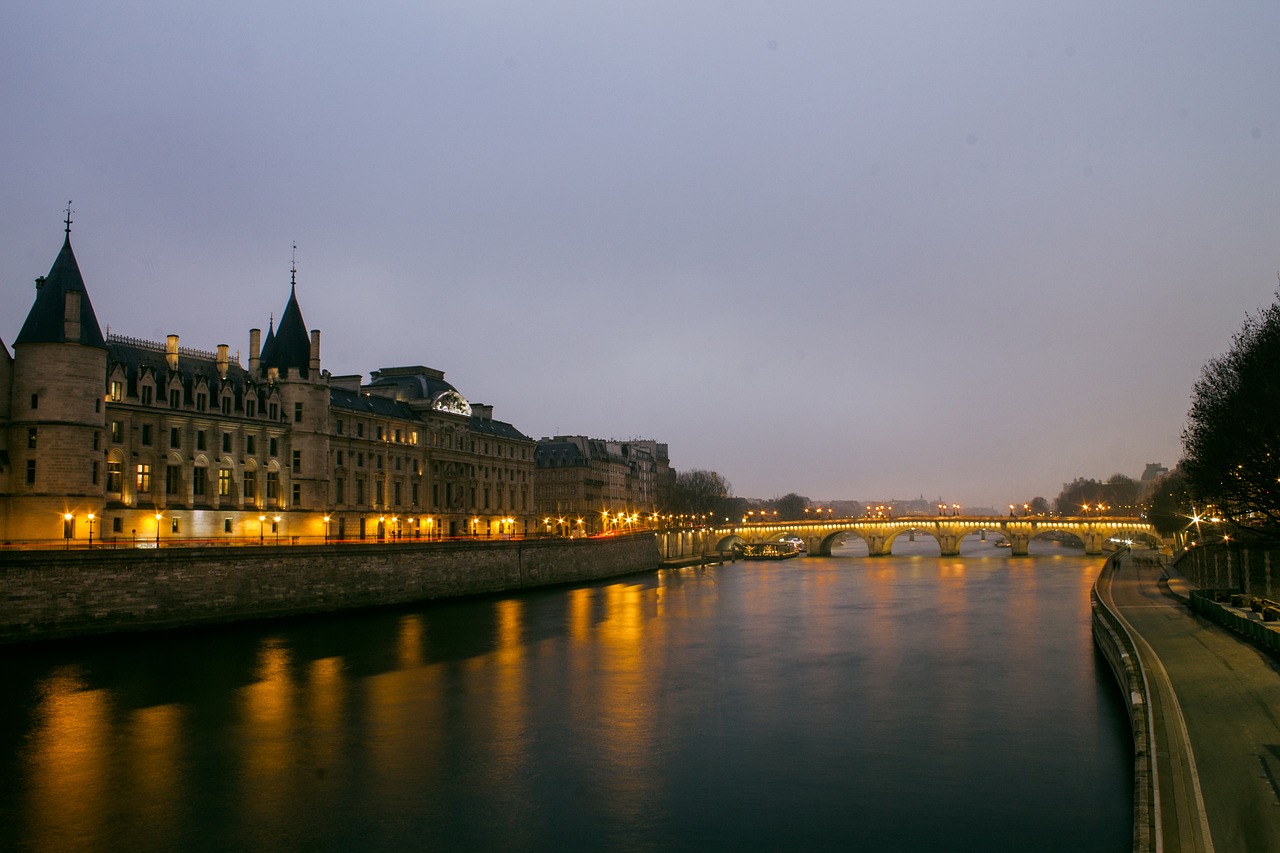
(156, 346)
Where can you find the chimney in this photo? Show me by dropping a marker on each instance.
(171, 352)
(315, 350)
(71, 316)
(255, 343)
(222, 360)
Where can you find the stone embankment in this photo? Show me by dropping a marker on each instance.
(1117, 646)
(51, 594)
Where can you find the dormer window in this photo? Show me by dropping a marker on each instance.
(250, 407)
(117, 391)
(146, 392)
(175, 398)
(226, 404)
(202, 401)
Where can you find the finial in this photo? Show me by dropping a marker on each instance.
(68, 219)
(293, 271)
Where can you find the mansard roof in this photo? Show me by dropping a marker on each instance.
(134, 355)
(498, 429)
(46, 323)
(411, 383)
(290, 347)
(370, 404)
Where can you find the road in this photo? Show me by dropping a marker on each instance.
(1222, 694)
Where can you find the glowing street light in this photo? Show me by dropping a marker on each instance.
(276, 525)
(158, 517)
(326, 529)
(66, 529)
(262, 523)
(91, 518)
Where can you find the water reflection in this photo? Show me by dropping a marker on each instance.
(699, 707)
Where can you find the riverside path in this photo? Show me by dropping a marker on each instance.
(1215, 704)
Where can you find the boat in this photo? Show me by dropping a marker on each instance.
(1003, 543)
(769, 551)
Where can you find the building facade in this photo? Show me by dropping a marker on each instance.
(121, 440)
(588, 485)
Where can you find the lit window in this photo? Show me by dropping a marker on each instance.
(143, 477)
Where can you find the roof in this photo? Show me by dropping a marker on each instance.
(291, 345)
(46, 322)
(411, 383)
(499, 429)
(133, 354)
(370, 404)
(558, 454)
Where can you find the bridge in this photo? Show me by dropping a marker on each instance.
(879, 533)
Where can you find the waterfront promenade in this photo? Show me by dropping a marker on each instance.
(1215, 702)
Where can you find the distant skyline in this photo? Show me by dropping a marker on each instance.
(969, 250)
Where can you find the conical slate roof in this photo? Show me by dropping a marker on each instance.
(290, 348)
(46, 322)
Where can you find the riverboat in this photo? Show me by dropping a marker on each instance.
(770, 551)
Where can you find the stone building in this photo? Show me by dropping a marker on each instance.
(590, 485)
(125, 440)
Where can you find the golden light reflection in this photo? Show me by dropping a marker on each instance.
(69, 787)
(627, 682)
(409, 641)
(155, 737)
(267, 710)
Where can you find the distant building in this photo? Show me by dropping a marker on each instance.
(141, 441)
(1153, 471)
(588, 485)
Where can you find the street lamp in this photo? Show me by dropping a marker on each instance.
(326, 530)
(91, 517)
(276, 525)
(158, 517)
(262, 524)
(66, 529)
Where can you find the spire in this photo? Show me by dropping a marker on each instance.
(289, 346)
(62, 312)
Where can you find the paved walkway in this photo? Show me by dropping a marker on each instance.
(1216, 706)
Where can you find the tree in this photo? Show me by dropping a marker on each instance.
(1170, 504)
(791, 507)
(1232, 439)
(1122, 494)
(698, 492)
(1039, 506)
(1076, 494)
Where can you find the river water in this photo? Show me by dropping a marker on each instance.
(913, 702)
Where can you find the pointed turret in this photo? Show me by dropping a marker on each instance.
(290, 347)
(62, 312)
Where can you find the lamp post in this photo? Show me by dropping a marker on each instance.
(276, 525)
(262, 524)
(66, 530)
(91, 517)
(326, 530)
(158, 517)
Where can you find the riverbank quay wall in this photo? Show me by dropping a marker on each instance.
(1250, 568)
(55, 594)
(1117, 647)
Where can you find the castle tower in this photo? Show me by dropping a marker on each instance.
(55, 402)
(290, 360)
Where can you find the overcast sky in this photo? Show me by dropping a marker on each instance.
(853, 250)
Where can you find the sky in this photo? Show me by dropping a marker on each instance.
(964, 250)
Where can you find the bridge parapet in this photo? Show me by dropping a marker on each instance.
(949, 531)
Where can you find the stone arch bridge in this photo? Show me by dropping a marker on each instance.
(879, 533)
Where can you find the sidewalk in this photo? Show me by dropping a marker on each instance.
(1215, 700)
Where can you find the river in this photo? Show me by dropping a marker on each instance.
(913, 702)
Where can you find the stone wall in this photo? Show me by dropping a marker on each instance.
(49, 594)
(1253, 569)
